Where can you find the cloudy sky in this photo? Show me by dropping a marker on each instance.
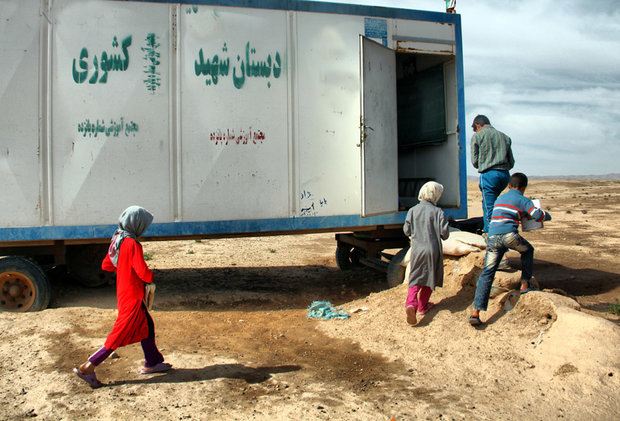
(547, 73)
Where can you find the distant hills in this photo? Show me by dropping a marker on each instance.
(614, 176)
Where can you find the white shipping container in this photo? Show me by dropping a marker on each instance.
(221, 118)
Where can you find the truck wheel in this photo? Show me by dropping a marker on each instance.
(84, 264)
(23, 285)
(396, 271)
(347, 257)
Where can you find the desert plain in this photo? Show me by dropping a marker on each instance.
(231, 316)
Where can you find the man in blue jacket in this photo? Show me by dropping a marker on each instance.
(509, 209)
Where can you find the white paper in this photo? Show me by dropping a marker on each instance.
(530, 224)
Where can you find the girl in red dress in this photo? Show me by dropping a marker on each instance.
(133, 323)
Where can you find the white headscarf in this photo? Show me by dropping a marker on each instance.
(133, 222)
(431, 192)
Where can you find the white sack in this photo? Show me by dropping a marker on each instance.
(453, 247)
(459, 243)
(469, 238)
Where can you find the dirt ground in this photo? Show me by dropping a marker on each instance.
(230, 315)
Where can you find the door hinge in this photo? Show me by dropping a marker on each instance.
(363, 134)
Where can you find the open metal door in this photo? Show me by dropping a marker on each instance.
(378, 139)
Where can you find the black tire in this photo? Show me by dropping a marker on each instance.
(347, 257)
(23, 285)
(396, 271)
(84, 264)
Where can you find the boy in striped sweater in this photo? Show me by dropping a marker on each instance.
(509, 209)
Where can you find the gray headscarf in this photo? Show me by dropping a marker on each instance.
(431, 192)
(133, 222)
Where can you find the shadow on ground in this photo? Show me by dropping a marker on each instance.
(251, 375)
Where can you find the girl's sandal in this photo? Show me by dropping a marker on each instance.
(157, 368)
(411, 319)
(91, 379)
(427, 308)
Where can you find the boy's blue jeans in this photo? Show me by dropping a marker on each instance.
(492, 183)
(497, 246)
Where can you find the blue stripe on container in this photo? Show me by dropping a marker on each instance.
(460, 86)
(174, 229)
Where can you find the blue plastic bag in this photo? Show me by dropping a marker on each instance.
(325, 310)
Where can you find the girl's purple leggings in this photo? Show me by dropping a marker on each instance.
(152, 356)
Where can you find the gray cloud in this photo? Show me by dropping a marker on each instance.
(548, 74)
(545, 72)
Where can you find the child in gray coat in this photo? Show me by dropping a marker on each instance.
(427, 225)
